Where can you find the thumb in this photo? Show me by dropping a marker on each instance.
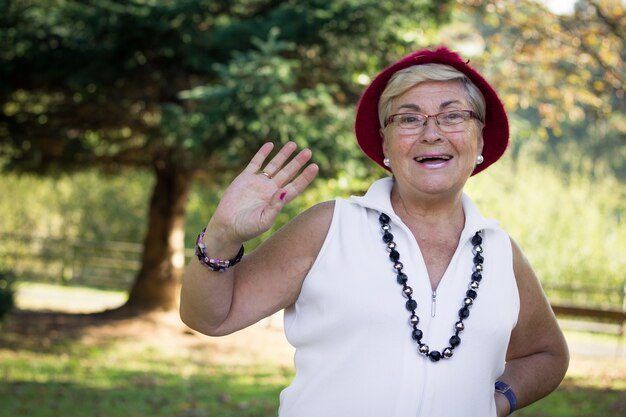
(279, 198)
(276, 204)
(273, 208)
(278, 201)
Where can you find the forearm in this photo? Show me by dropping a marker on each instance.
(206, 296)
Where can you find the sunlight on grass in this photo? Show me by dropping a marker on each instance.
(38, 296)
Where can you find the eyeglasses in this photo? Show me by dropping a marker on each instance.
(447, 121)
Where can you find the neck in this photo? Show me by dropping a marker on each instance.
(428, 210)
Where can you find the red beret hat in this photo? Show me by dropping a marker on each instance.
(495, 132)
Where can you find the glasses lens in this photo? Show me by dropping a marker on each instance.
(410, 120)
(453, 117)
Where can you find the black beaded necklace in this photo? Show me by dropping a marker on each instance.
(411, 304)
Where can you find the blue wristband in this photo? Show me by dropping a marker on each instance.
(506, 390)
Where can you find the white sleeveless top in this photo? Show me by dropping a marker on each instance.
(354, 351)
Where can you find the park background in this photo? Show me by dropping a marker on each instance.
(122, 121)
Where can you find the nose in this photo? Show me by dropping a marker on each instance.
(430, 131)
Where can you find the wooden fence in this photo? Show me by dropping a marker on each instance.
(113, 265)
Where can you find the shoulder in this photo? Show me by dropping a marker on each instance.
(314, 221)
(319, 213)
(303, 236)
(522, 268)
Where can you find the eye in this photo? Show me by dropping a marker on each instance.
(410, 118)
(454, 116)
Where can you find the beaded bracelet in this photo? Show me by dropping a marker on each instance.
(217, 265)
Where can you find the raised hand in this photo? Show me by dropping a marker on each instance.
(251, 203)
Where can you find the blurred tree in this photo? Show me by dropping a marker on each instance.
(563, 74)
(187, 88)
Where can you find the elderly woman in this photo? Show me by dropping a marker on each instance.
(402, 302)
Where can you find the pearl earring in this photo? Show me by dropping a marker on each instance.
(386, 162)
(479, 159)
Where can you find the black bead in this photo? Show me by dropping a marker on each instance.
(394, 255)
(434, 356)
(471, 294)
(477, 276)
(477, 240)
(478, 259)
(455, 341)
(383, 218)
(411, 305)
(402, 278)
(464, 313)
(387, 237)
(417, 334)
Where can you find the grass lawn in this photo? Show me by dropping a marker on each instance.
(85, 365)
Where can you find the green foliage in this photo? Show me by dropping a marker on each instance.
(87, 206)
(571, 228)
(257, 100)
(100, 83)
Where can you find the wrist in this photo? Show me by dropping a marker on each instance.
(508, 394)
(213, 263)
(217, 241)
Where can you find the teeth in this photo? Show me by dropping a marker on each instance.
(427, 158)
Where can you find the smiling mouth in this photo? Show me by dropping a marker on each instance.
(432, 158)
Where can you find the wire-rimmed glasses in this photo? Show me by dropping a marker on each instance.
(447, 121)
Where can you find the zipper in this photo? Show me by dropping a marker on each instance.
(433, 304)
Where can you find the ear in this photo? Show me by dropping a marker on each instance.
(480, 144)
(383, 139)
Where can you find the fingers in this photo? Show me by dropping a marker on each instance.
(289, 171)
(276, 164)
(300, 183)
(284, 172)
(257, 161)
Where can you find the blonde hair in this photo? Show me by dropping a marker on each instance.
(409, 77)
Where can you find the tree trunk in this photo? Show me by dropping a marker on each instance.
(157, 283)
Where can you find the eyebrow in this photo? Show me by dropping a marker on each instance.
(417, 108)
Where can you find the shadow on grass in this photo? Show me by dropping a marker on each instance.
(48, 370)
(139, 394)
(52, 331)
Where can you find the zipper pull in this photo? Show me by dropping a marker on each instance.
(433, 305)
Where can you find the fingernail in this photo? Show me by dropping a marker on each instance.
(282, 196)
